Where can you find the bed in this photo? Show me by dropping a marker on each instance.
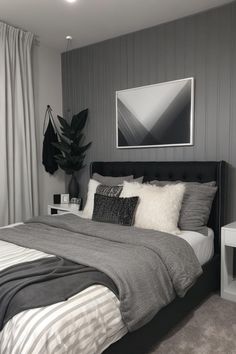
(115, 330)
(141, 341)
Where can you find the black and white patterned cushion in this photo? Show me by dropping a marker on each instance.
(109, 191)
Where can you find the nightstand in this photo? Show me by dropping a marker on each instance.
(63, 208)
(228, 280)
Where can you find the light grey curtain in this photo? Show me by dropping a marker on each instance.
(18, 165)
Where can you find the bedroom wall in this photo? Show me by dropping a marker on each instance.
(202, 46)
(47, 90)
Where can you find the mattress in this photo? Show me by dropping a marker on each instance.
(87, 323)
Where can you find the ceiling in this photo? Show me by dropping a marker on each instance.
(90, 21)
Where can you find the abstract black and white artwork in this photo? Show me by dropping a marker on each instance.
(155, 115)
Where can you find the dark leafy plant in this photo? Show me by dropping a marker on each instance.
(72, 151)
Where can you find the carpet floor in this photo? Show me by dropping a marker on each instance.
(211, 329)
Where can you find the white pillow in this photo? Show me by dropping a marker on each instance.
(88, 209)
(158, 207)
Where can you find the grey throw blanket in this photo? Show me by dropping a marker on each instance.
(148, 267)
(44, 282)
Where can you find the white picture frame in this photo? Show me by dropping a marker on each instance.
(159, 115)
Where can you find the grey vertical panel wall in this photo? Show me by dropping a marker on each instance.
(202, 46)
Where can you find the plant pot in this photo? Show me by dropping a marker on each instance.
(73, 187)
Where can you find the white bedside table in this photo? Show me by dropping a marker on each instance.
(228, 243)
(62, 208)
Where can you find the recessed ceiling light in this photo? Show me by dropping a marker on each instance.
(69, 38)
(71, 1)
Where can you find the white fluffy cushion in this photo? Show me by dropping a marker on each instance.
(88, 209)
(158, 207)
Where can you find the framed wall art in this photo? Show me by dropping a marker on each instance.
(157, 115)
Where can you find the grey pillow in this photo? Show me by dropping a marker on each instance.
(112, 181)
(196, 205)
(114, 210)
(164, 183)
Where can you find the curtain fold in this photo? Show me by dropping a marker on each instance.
(18, 162)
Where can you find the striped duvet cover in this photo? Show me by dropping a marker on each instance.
(86, 323)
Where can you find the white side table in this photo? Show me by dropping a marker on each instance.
(228, 243)
(62, 208)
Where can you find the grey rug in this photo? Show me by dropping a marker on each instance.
(211, 329)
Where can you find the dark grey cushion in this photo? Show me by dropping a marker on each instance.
(196, 205)
(114, 210)
(111, 181)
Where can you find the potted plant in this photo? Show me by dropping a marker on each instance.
(72, 151)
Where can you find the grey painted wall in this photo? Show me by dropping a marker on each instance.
(202, 46)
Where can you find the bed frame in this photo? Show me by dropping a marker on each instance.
(142, 340)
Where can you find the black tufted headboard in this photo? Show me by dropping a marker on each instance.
(202, 171)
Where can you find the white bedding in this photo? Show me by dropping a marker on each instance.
(203, 246)
(86, 323)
